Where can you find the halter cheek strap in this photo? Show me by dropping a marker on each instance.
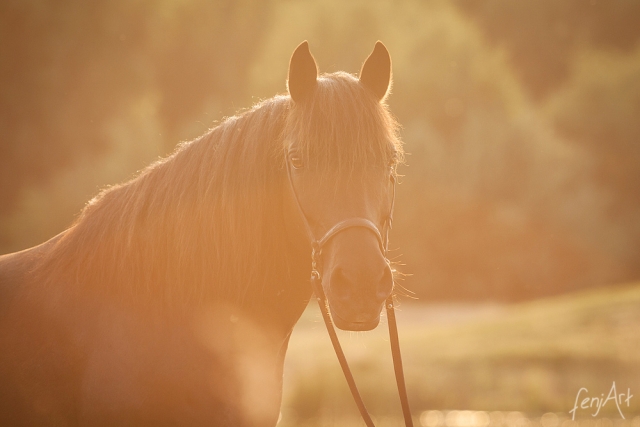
(316, 282)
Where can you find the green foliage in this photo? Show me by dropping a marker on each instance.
(605, 88)
(542, 36)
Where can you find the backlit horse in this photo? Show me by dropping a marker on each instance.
(171, 299)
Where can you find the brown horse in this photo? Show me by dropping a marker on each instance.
(171, 299)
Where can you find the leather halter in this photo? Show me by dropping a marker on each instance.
(316, 282)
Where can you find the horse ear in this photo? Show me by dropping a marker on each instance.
(376, 71)
(303, 73)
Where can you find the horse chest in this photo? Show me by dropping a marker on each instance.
(215, 368)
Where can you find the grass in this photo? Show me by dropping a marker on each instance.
(531, 357)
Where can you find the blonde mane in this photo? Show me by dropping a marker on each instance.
(207, 222)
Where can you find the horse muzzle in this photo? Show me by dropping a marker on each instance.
(356, 284)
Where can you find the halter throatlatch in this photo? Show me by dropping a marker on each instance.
(316, 283)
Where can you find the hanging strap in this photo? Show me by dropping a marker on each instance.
(395, 353)
(322, 302)
(397, 362)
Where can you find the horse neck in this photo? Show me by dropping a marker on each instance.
(183, 255)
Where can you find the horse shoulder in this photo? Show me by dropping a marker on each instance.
(15, 269)
(36, 370)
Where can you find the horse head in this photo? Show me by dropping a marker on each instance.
(341, 151)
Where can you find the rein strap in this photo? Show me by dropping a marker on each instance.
(395, 354)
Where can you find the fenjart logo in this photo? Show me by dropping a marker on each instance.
(599, 402)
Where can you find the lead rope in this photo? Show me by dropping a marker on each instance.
(397, 363)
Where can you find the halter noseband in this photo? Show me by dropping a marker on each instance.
(316, 282)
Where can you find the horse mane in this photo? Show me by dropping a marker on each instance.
(207, 222)
(343, 127)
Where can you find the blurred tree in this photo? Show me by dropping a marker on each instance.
(580, 57)
(599, 108)
(542, 36)
(68, 66)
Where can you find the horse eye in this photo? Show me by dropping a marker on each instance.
(296, 162)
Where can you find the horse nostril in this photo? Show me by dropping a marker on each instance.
(343, 285)
(340, 283)
(385, 286)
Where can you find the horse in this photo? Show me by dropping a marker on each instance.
(172, 297)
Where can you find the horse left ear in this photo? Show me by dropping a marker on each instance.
(376, 71)
(303, 73)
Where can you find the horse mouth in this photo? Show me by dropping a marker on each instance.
(360, 325)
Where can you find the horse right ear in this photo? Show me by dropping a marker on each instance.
(376, 71)
(303, 73)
